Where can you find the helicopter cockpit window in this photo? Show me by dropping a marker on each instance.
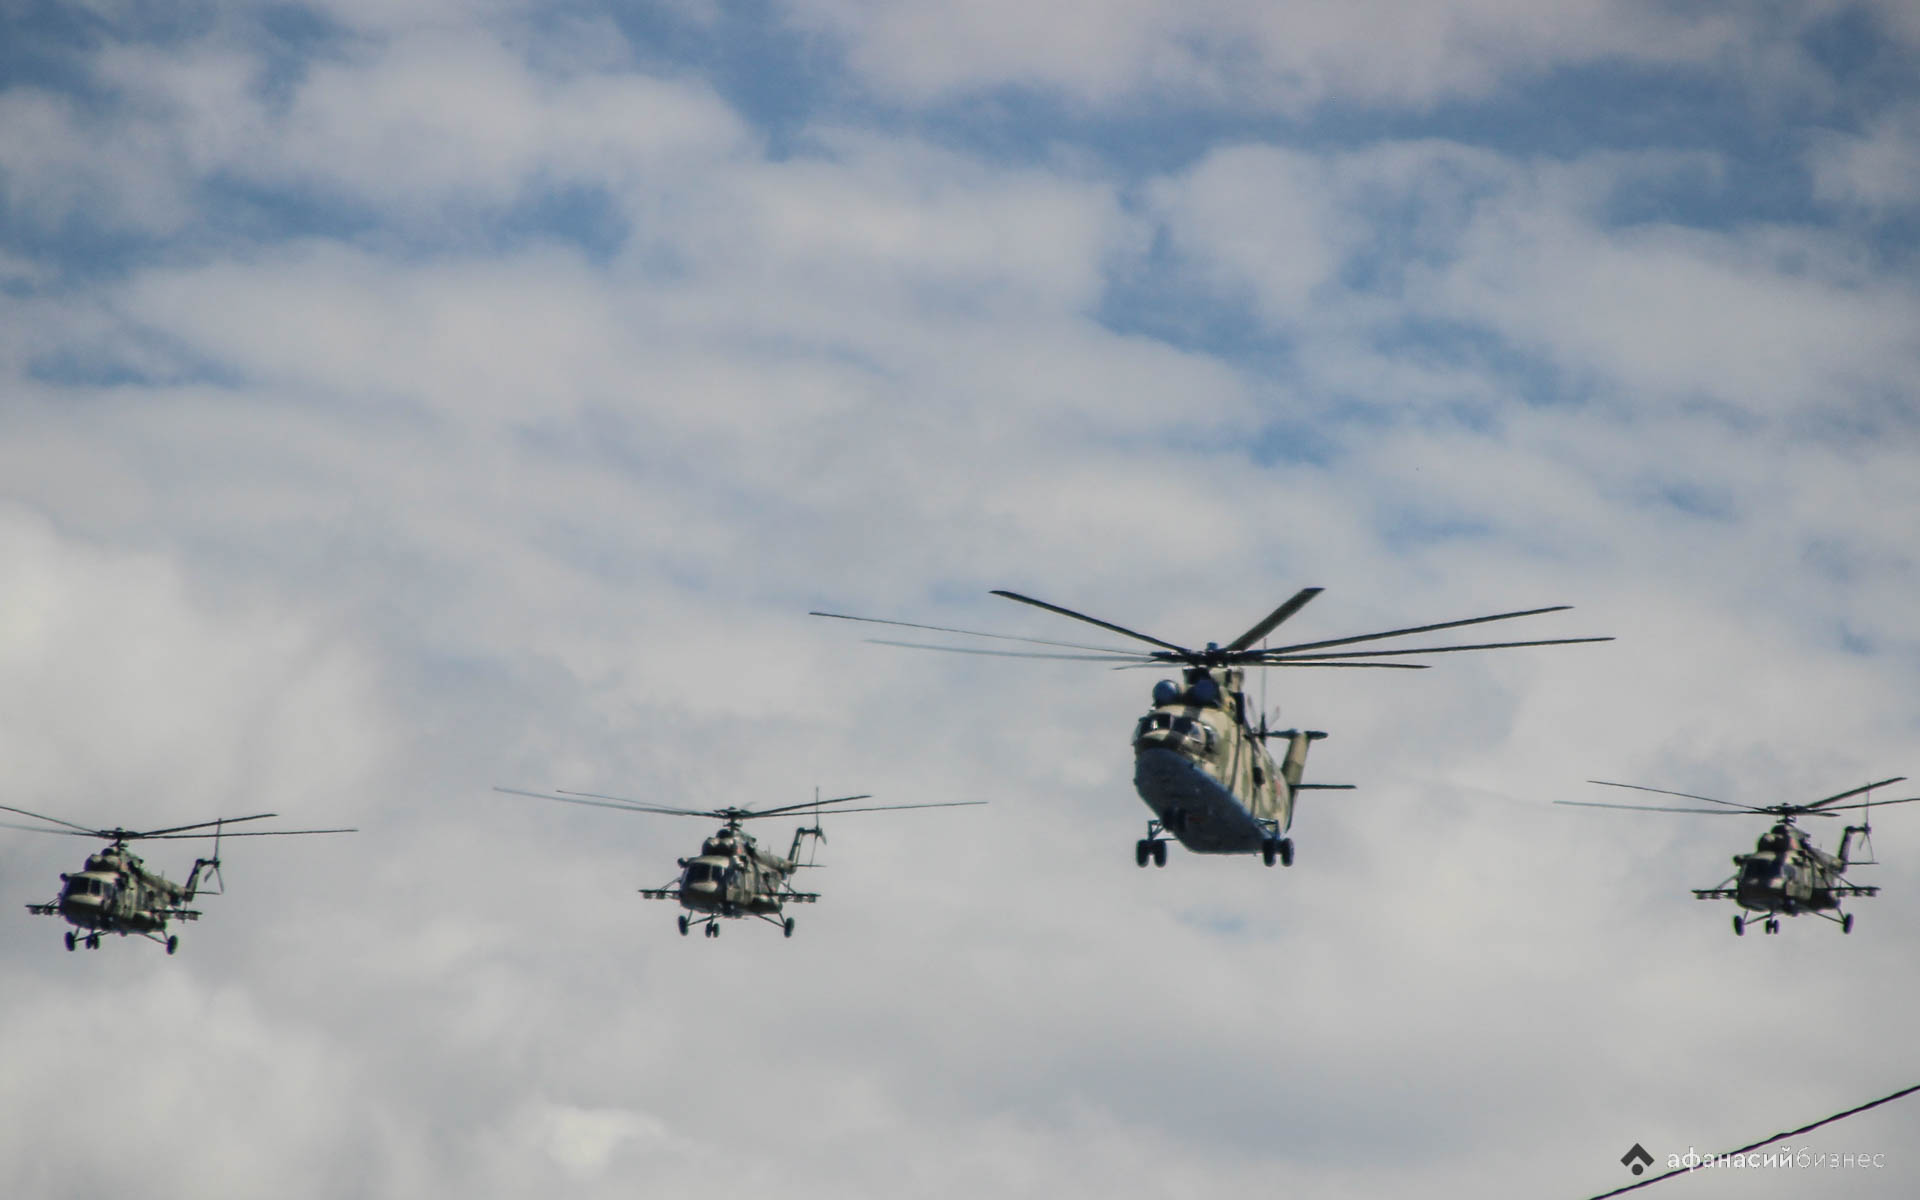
(1152, 722)
(1196, 732)
(700, 873)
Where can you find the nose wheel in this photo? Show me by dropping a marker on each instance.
(1773, 925)
(1153, 846)
(1280, 849)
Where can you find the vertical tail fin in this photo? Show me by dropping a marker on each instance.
(1298, 740)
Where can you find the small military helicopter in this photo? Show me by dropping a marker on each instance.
(731, 876)
(1201, 764)
(115, 893)
(1786, 873)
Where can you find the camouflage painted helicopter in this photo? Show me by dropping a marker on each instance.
(1200, 762)
(115, 893)
(1786, 873)
(731, 876)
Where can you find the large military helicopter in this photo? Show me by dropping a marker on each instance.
(1785, 873)
(732, 876)
(1200, 762)
(115, 893)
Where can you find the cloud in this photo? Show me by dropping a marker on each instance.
(1876, 169)
(477, 407)
(1228, 54)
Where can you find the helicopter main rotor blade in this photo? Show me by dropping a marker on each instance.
(898, 807)
(642, 805)
(1112, 656)
(1370, 637)
(1293, 605)
(1683, 795)
(51, 820)
(1280, 656)
(717, 814)
(968, 632)
(784, 809)
(1285, 662)
(1711, 812)
(1107, 625)
(1315, 662)
(616, 802)
(168, 837)
(1819, 804)
(86, 833)
(154, 833)
(1827, 812)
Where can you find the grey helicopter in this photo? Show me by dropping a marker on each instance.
(1201, 762)
(732, 877)
(116, 893)
(1785, 874)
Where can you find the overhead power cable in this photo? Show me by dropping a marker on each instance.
(1633, 1187)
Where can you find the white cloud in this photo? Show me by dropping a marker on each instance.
(1878, 169)
(1226, 53)
(1260, 219)
(1769, 317)
(357, 527)
(1774, 318)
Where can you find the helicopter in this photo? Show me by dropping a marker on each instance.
(116, 893)
(1201, 764)
(1786, 873)
(732, 877)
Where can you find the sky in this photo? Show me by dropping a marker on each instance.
(401, 399)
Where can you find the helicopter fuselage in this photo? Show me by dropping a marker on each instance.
(115, 893)
(733, 877)
(1786, 873)
(1205, 773)
(731, 885)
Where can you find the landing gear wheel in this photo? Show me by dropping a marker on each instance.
(1142, 850)
(1773, 925)
(173, 943)
(683, 925)
(1269, 850)
(786, 927)
(70, 940)
(1739, 926)
(1286, 852)
(93, 941)
(1159, 854)
(713, 929)
(1846, 923)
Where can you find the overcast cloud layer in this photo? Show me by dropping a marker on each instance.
(403, 398)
